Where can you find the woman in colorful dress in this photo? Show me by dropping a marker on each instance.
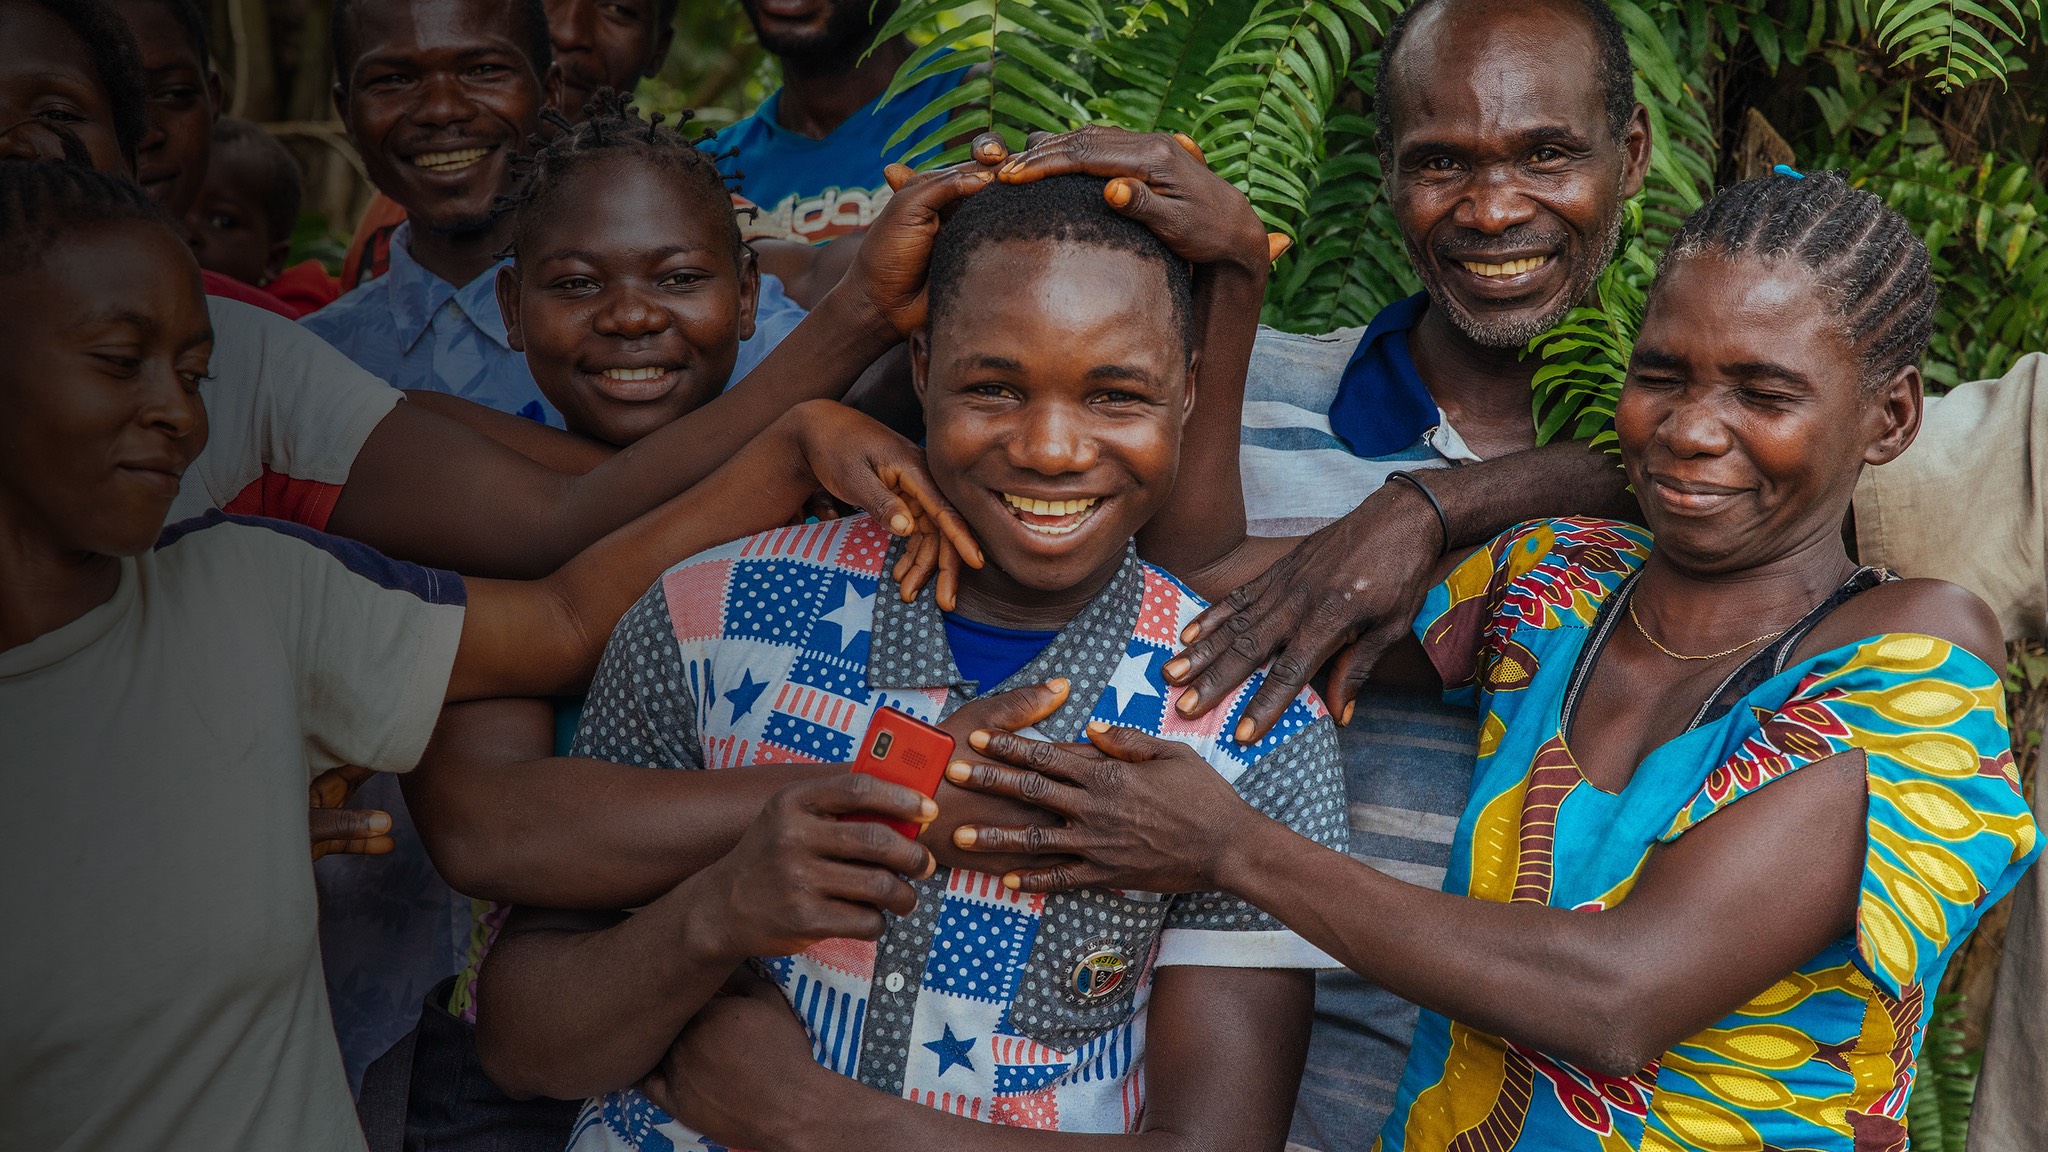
(1737, 800)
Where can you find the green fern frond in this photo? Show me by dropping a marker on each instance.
(1040, 58)
(1274, 83)
(1953, 35)
(1155, 68)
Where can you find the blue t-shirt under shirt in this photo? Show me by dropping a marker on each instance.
(811, 190)
(989, 655)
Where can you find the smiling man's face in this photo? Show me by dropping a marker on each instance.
(1055, 385)
(1507, 179)
(439, 98)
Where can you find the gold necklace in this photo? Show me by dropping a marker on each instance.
(1637, 621)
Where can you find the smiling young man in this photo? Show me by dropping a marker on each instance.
(1056, 373)
(440, 97)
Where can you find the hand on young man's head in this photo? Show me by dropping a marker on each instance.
(888, 276)
(1160, 180)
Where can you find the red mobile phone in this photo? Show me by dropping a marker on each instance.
(903, 750)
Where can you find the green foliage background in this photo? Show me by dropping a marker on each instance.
(1938, 106)
(1933, 104)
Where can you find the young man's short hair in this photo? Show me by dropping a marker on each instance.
(1058, 209)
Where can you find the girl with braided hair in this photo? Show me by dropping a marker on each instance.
(629, 289)
(1738, 800)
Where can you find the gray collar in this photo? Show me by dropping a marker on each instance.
(907, 648)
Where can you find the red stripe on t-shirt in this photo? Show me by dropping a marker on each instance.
(282, 497)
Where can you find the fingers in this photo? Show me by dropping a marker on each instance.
(1040, 756)
(373, 846)
(1017, 708)
(1128, 196)
(859, 792)
(989, 148)
(863, 890)
(1220, 661)
(1020, 784)
(1350, 668)
(1062, 877)
(1024, 840)
(1188, 142)
(1277, 243)
(1130, 745)
(899, 175)
(949, 575)
(351, 831)
(332, 788)
(913, 481)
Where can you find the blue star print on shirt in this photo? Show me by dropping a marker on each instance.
(742, 698)
(952, 1050)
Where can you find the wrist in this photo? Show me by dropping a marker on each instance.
(859, 330)
(816, 1113)
(1245, 854)
(699, 926)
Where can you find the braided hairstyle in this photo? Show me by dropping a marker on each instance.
(614, 128)
(41, 201)
(1861, 251)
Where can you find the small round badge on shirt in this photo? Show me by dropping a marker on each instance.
(1100, 972)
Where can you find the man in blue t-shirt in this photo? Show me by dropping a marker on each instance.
(811, 156)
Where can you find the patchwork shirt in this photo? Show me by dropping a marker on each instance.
(1006, 1007)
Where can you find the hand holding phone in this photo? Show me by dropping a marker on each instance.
(903, 750)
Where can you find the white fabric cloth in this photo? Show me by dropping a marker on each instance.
(1964, 502)
(278, 398)
(160, 984)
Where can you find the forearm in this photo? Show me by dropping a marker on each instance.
(544, 637)
(1569, 478)
(844, 1115)
(551, 448)
(572, 1014)
(504, 821)
(820, 359)
(1559, 981)
(1224, 1051)
(1204, 519)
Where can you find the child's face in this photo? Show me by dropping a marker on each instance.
(107, 338)
(47, 78)
(230, 232)
(1054, 392)
(438, 100)
(172, 159)
(626, 300)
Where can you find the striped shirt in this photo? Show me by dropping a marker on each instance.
(1310, 403)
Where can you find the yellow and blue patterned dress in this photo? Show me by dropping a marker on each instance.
(1824, 1059)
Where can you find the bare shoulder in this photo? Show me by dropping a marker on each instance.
(1934, 608)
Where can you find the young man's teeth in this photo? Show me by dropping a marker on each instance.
(1511, 268)
(450, 161)
(635, 373)
(1033, 507)
(1050, 507)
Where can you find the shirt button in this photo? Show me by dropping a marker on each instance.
(893, 982)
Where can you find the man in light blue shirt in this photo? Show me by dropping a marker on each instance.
(439, 99)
